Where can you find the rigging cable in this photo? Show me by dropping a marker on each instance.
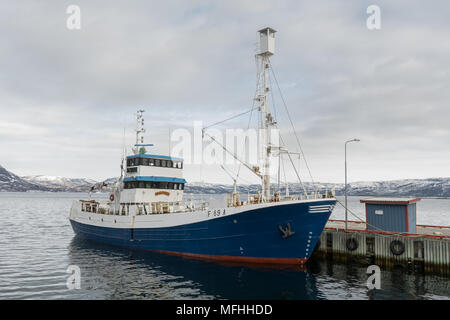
(248, 126)
(284, 174)
(235, 116)
(233, 155)
(279, 146)
(293, 128)
(295, 169)
(281, 138)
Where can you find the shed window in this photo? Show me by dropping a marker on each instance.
(379, 212)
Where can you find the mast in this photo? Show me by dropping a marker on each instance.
(266, 46)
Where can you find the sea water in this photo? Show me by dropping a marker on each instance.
(37, 247)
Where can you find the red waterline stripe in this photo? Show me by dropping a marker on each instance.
(277, 261)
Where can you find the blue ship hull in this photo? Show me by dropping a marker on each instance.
(285, 234)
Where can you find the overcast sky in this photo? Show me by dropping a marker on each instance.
(66, 95)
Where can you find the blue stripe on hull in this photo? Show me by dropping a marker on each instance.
(252, 233)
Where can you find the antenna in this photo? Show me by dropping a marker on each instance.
(140, 126)
(140, 130)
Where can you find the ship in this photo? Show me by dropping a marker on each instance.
(146, 209)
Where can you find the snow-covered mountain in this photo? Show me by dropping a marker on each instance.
(61, 183)
(432, 187)
(13, 183)
(210, 188)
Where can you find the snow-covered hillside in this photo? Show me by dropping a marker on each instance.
(13, 183)
(61, 183)
(432, 187)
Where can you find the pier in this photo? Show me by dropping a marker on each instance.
(423, 249)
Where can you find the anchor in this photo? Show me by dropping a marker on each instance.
(287, 232)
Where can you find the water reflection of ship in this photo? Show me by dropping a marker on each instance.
(110, 272)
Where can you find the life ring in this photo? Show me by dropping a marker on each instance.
(351, 244)
(397, 247)
(111, 197)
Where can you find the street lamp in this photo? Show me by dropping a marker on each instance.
(346, 213)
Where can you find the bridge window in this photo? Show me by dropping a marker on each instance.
(177, 186)
(153, 185)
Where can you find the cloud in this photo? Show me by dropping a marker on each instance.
(65, 96)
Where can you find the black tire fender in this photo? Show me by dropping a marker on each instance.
(397, 247)
(351, 244)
